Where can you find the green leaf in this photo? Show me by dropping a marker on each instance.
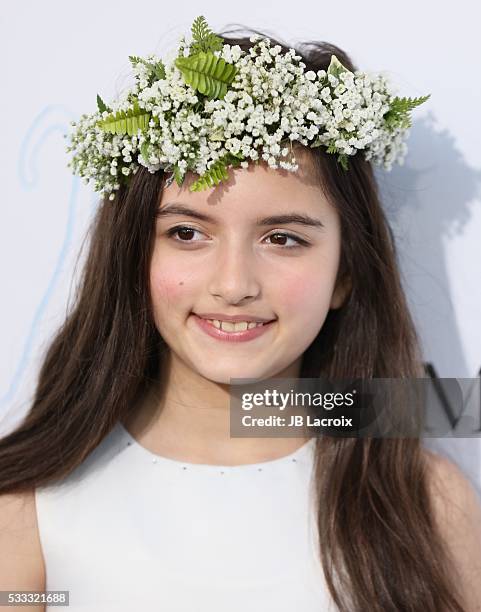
(342, 159)
(179, 178)
(335, 67)
(217, 172)
(101, 104)
(126, 122)
(204, 40)
(316, 143)
(157, 70)
(207, 73)
(144, 150)
(234, 159)
(398, 114)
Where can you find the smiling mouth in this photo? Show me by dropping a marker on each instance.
(237, 326)
(239, 330)
(218, 319)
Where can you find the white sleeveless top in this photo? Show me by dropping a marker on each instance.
(131, 530)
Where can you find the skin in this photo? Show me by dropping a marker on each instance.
(233, 266)
(236, 269)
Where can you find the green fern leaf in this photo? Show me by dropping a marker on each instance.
(200, 29)
(157, 70)
(214, 175)
(179, 178)
(204, 40)
(342, 159)
(101, 104)
(316, 143)
(134, 59)
(217, 172)
(398, 114)
(144, 150)
(126, 122)
(207, 73)
(234, 159)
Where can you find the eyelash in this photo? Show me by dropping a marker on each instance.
(300, 241)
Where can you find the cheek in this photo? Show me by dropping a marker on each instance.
(295, 292)
(171, 283)
(309, 292)
(166, 285)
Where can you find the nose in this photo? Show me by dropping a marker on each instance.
(234, 275)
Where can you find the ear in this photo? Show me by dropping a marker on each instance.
(341, 291)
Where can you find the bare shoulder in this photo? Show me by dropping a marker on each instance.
(457, 510)
(21, 562)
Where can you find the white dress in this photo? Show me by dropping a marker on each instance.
(130, 530)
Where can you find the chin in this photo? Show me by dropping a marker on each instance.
(224, 375)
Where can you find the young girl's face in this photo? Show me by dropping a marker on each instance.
(236, 261)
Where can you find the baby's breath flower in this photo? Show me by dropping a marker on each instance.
(271, 101)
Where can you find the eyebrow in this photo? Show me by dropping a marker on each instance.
(176, 208)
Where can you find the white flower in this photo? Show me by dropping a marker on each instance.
(271, 100)
(326, 94)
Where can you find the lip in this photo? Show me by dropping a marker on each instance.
(240, 336)
(233, 318)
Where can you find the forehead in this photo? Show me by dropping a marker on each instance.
(253, 191)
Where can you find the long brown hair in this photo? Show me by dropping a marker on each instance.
(379, 546)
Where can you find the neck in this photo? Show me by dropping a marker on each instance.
(185, 416)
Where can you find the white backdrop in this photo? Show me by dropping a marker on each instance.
(56, 56)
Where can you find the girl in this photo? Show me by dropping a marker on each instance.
(123, 485)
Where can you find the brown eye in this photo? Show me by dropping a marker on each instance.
(281, 238)
(184, 232)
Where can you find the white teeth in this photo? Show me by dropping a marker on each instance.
(234, 327)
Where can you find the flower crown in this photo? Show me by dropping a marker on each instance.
(217, 106)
